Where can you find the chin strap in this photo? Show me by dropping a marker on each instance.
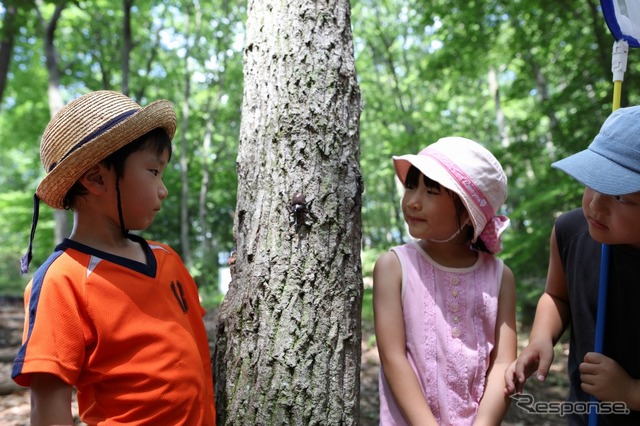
(455, 234)
(124, 231)
(26, 259)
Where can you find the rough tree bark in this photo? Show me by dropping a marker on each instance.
(288, 338)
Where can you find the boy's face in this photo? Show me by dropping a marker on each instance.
(613, 219)
(142, 188)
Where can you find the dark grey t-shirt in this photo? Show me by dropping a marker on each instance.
(580, 256)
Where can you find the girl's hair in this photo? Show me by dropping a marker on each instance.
(156, 140)
(412, 182)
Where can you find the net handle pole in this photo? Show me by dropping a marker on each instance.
(618, 68)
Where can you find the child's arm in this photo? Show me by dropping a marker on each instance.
(552, 317)
(391, 340)
(494, 404)
(605, 379)
(50, 401)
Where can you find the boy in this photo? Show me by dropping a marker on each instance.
(610, 171)
(110, 313)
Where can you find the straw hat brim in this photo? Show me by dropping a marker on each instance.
(54, 187)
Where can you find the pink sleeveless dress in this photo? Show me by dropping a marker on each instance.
(449, 318)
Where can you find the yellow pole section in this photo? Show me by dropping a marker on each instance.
(617, 93)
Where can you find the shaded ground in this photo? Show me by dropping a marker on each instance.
(14, 401)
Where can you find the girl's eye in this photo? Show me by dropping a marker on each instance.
(154, 171)
(433, 192)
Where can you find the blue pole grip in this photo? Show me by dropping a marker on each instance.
(600, 319)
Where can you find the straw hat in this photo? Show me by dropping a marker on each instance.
(89, 129)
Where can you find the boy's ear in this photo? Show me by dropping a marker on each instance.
(94, 179)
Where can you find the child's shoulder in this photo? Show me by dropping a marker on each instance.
(63, 260)
(572, 216)
(571, 225)
(165, 251)
(157, 246)
(395, 252)
(387, 260)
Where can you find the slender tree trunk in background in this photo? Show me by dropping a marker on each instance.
(288, 339)
(205, 162)
(208, 244)
(10, 27)
(127, 44)
(494, 88)
(62, 227)
(185, 220)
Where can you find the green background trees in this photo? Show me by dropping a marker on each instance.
(530, 79)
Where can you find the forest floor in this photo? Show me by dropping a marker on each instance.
(14, 401)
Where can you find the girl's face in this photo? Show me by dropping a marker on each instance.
(430, 213)
(141, 187)
(613, 219)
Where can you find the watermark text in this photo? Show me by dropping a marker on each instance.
(527, 402)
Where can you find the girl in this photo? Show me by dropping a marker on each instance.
(444, 305)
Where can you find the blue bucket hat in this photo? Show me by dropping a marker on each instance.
(611, 163)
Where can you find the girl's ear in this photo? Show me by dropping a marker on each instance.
(94, 179)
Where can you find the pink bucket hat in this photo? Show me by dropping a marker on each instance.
(471, 171)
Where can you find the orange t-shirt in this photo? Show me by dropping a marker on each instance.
(129, 336)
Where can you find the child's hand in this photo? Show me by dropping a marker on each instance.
(605, 379)
(536, 357)
(511, 383)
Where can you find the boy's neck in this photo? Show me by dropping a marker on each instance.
(105, 236)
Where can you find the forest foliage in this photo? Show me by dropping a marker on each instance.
(531, 80)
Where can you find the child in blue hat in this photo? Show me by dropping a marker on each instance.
(610, 171)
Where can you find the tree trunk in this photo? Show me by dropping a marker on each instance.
(10, 28)
(185, 220)
(494, 88)
(127, 44)
(206, 234)
(62, 225)
(288, 338)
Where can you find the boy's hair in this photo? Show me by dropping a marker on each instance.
(156, 140)
(411, 182)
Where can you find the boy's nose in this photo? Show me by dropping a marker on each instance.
(163, 192)
(599, 201)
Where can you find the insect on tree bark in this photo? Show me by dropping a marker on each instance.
(288, 338)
